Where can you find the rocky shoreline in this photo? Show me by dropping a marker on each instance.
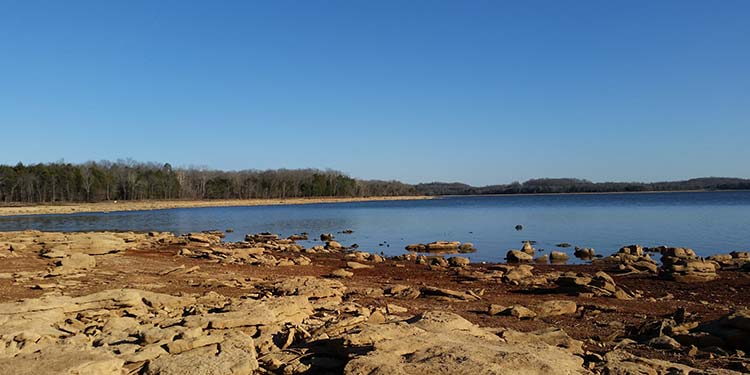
(159, 303)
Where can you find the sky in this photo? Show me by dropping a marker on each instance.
(481, 92)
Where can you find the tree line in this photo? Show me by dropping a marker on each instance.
(574, 185)
(130, 180)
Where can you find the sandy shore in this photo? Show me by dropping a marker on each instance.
(73, 208)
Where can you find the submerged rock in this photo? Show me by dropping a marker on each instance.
(558, 257)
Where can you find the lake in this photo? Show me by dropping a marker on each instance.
(708, 222)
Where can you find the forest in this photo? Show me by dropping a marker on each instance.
(131, 180)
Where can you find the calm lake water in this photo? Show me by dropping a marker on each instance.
(712, 222)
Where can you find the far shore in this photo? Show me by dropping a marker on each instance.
(114, 206)
(591, 193)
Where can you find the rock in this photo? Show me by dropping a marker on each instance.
(558, 257)
(395, 309)
(403, 291)
(495, 309)
(320, 292)
(326, 237)
(146, 353)
(555, 308)
(443, 292)
(527, 248)
(602, 285)
(584, 253)
(63, 360)
(543, 259)
(204, 238)
(357, 266)
(551, 336)
(376, 318)
(678, 252)
(445, 343)
(74, 263)
(256, 315)
(341, 273)
(664, 342)
(519, 227)
(518, 274)
(644, 266)
(739, 319)
(732, 331)
(519, 312)
(563, 245)
(618, 362)
(458, 261)
(333, 245)
(418, 247)
(298, 237)
(262, 237)
(467, 247)
(443, 245)
(687, 270)
(515, 256)
(183, 345)
(236, 355)
(636, 250)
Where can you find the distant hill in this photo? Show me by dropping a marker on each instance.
(574, 185)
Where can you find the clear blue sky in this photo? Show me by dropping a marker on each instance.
(482, 92)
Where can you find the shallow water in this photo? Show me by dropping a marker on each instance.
(711, 222)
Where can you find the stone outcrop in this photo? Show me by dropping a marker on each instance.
(584, 253)
(687, 268)
(445, 343)
(601, 284)
(55, 245)
(102, 332)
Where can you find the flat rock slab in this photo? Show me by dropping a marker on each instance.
(445, 343)
(62, 360)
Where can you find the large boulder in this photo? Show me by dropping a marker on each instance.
(687, 270)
